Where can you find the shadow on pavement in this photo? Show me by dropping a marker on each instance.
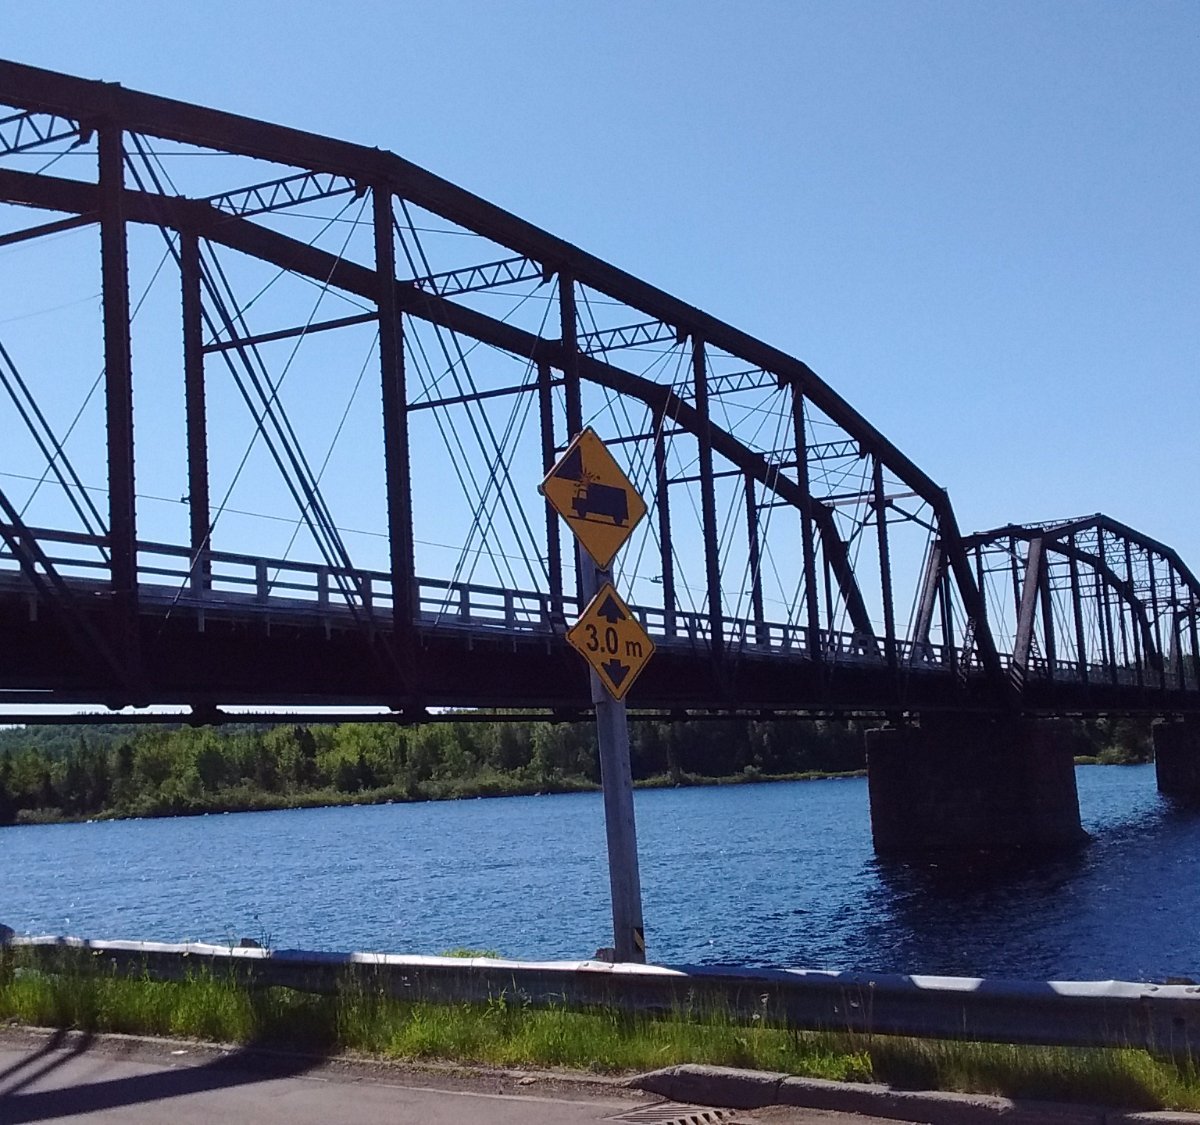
(241, 1066)
(56, 1040)
(45, 1060)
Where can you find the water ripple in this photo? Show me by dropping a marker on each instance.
(777, 874)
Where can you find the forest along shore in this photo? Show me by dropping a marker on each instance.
(59, 773)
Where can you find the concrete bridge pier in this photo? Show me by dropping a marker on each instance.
(1177, 758)
(973, 783)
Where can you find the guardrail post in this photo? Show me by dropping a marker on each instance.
(261, 586)
(323, 587)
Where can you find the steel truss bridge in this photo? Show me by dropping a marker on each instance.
(350, 376)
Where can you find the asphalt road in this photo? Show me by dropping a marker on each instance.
(54, 1076)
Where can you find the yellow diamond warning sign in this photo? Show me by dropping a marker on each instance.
(589, 490)
(612, 641)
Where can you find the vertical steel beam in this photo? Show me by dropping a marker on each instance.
(756, 594)
(553, 542)
(979, 571)
(1138, 655)
(199, 514)
(569, 329)
(118, 385)
(1076, 602)
(663, 506)
(973, 600)
(885, 568)
(1194, 633)
(1015, 570)
(1101, 608)
(811, 593)
(930, 581)
(1047, 600)
(1162, 663)
(974, 624)
(1124, 633)
(1176, 646)
(1026, 609)
(948, 640)
(708, 503)
(1106, 606)
(397, 468)
(828, 573)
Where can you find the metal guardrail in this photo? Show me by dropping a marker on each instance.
(1164, 1019)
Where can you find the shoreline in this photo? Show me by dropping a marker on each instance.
(488, 786)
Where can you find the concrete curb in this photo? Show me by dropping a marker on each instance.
(430, 1073)
(755, 1089)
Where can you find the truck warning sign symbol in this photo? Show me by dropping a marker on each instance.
(589, 490)
(612, 641)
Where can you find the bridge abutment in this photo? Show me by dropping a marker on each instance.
(973, 783)
(1177, 759)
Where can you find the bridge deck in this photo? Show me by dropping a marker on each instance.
(481, 645)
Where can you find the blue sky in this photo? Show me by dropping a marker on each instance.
(978, 221)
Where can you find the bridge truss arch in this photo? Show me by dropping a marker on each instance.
(1090, 602)
(354, 373)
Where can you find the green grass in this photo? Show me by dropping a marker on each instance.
(500, 1033)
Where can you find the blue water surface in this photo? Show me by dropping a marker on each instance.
(779, 874)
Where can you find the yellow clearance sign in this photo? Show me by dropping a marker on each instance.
(589, 490)
(612, 641)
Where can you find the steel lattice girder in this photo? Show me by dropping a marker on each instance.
(53, 106)
(24, 132)
(1061, 538)
(200, 218)
(330, 166)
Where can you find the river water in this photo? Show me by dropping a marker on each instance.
(777, 874)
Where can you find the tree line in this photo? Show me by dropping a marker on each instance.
(160, 770)
(54, 772)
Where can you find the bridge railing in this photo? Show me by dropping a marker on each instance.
(464, 605)
(212, 580)
(1179, 675)
(224, 580)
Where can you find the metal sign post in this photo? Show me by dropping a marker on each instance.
(616, 780)
(589, 490)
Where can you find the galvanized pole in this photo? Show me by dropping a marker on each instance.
(612, 723)
(616, 778)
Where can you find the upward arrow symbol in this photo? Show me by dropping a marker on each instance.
(610, 611)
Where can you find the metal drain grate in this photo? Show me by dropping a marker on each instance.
(674, 1113)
